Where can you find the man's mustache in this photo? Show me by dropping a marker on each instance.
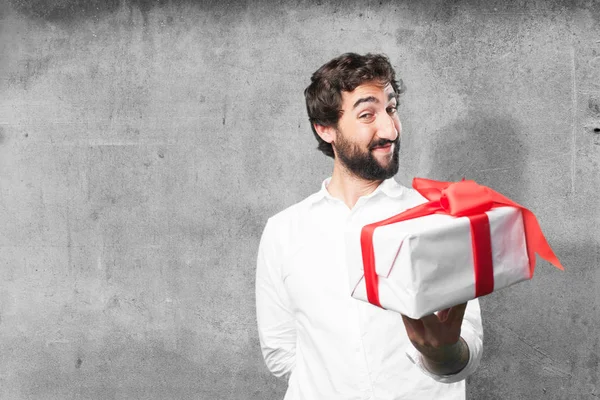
(383, 142)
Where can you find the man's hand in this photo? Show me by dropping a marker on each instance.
(438, 339)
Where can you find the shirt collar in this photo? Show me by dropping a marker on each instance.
(388, 187)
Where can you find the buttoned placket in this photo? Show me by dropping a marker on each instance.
(360, 350)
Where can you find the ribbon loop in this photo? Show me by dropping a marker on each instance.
(430, 189)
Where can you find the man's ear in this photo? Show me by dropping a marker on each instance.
(327, 133)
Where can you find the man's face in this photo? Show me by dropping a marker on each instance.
(367, 138)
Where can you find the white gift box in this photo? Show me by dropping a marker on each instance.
(426, 264)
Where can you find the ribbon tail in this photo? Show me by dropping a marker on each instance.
(536, 241)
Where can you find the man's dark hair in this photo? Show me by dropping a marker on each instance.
(343, 73)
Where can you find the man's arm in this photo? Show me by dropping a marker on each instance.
(450, 343)
(276, 324)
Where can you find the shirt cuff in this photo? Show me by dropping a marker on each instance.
(415, 357)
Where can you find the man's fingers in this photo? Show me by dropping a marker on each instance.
(456, 313)
(413, 326)
(409, 322)
(431, 322)
(443, 314)
(436, 330)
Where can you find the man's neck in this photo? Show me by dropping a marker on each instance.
(348, 187)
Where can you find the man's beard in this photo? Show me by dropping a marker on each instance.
(363, 164)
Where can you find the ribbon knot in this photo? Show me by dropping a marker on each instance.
(465, 198)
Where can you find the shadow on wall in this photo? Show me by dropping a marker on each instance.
(482, 147)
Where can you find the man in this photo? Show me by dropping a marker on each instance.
(329, 345)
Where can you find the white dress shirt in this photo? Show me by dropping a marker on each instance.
(329, 345)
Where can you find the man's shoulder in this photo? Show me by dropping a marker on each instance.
(296, 212)
(404, 196)
(413, 197)
(287, 228)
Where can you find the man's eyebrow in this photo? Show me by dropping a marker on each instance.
(370, 99)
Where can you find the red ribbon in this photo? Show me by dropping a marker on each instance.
(460, 199)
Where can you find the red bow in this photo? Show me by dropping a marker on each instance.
(460, 199)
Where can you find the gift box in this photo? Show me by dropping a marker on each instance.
(465, 242)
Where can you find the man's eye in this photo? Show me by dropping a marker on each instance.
(365, 116)
(392, 110)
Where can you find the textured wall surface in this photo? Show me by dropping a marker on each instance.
(143, 145)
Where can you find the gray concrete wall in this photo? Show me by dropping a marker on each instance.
(144, 144)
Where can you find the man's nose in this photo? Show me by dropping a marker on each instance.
(387, 128)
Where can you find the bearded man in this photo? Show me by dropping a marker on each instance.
(328, 345)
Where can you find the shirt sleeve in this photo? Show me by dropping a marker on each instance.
(276, 323)
(472, 333)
